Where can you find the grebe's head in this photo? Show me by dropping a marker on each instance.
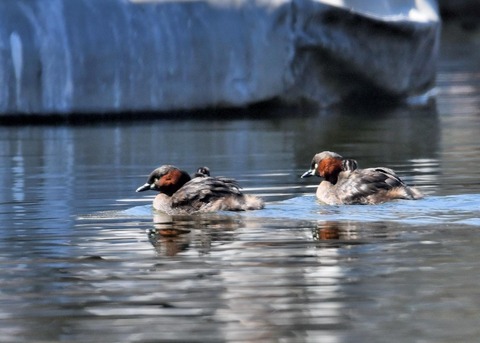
(202, 172)
(166, 179)
(317, 160)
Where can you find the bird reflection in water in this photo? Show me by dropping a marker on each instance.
(351, 231)
(172, 235)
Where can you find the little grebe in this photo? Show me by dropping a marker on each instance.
(180, 194)
(344, 183)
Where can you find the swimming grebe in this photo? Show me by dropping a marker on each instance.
(344, 183)
(180, 194)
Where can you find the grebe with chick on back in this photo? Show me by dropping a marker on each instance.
(344, 183)
(181, 194)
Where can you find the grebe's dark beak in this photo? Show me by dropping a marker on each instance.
(308, 173)
(145, 187)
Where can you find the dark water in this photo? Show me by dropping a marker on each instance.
(83, 259)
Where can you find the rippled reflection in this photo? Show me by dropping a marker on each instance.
(172, 235)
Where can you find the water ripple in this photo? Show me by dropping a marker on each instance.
(460, 209)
